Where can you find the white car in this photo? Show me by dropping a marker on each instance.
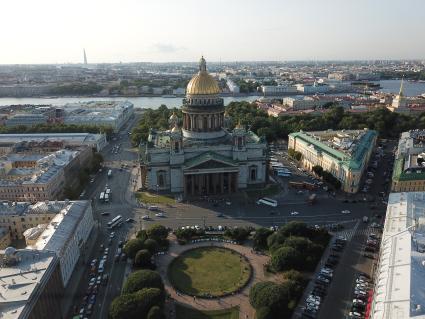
(345, 211)
(145, 217)
(294, 213)
(159, 215)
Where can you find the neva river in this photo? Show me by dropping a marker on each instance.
(389, 86)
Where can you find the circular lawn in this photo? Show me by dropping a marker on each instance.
(209, 272)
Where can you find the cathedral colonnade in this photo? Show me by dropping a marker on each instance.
(210, 183)
(203, 122)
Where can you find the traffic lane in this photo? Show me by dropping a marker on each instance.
(322, 207)
(113, 269)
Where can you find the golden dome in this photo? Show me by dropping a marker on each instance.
(202, 83)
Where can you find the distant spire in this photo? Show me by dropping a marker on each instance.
(85, 56)
(401, 87)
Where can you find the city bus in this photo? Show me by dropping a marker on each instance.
(267, 201)
(283, 173)
(115, 222)
(110, 173)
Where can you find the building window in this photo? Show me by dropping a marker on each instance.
(161, 179)
(253, 173)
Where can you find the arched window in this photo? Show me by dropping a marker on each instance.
(160, 178)
(253, 172)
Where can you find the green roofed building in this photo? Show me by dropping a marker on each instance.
(199, 155)
(345, 153)
(409, 164)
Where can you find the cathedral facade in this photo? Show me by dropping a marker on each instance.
(199, 155)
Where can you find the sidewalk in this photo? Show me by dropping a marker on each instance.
(71, 296)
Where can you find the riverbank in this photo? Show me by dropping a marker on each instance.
(387, 86)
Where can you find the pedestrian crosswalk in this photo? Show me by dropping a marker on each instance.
(355, 231)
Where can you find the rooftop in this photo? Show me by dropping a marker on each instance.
(21, 280)
(410, 156)
(46, 167)
(400, 283)
(62, 227)
(347, 146)
(76, 137)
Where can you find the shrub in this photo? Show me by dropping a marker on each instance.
(143, 258)
(142, 279)
(132, 247)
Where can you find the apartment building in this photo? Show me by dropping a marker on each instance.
(344, 153)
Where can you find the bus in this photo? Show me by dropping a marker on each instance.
(115, 222)
(283, 173)
(102, 196)
(110, 173)
(267, 201)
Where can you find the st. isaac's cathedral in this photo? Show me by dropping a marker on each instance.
(199, 155)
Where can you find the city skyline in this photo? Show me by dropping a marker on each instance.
(165, 31)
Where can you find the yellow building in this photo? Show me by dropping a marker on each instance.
(16, 218)
(344, 153)
(4, 238)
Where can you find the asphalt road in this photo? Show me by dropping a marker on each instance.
(122, 203)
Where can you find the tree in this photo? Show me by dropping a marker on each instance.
(155, 313)
(275, 240)
(318, 170)
(142, 279)
(270, 295)
(264, 313)
(157, 232)
(285, 258)
(260, 237)
(238, 234)
(293, 275)
(136, 305)
(141, 234)
(132, 247)
(124, 307)
(143, 258)
(256, 291)
(295, 228)
(148, 298)
(151, 245)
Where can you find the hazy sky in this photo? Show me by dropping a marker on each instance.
(56, 31)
